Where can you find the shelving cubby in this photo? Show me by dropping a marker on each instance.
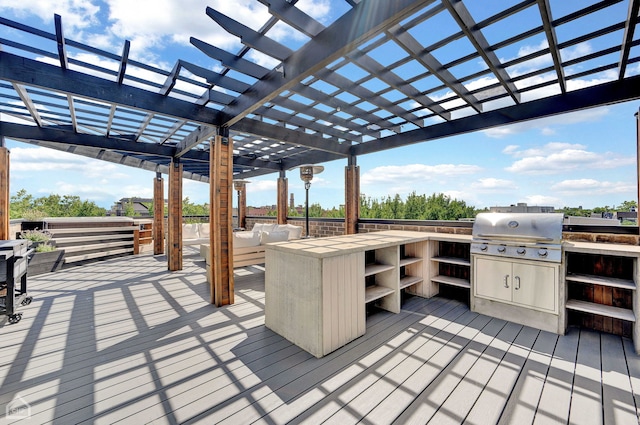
(413, 269)
(601, 292)
(452, 268)
(381, 275)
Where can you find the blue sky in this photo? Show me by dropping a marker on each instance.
(586, 158)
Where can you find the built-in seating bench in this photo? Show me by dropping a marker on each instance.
(249, 246)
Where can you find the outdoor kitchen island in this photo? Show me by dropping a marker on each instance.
(317, 290)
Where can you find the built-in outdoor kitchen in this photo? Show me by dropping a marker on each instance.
(516, 260)
(518, 267)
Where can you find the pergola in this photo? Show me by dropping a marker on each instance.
(385, 74)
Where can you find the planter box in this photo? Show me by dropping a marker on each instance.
(45, 262)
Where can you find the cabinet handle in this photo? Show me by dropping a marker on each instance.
(506, 280)
(517, 279)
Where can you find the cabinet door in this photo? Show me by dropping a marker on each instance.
(496, 279)
(535, 286)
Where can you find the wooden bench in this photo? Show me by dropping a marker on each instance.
(242, 257)
(89, 243)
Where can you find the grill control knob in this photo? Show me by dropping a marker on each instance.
(501, 249)
(542, 252)
(484, 247)
(521, 251)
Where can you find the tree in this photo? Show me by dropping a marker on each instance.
(627, 206)
(415, 206)
(315, 210)
(129, 210)
(24, 205)
(191, 209)
(20, 203)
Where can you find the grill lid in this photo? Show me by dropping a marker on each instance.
(519, 227)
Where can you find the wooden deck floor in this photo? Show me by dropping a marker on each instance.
(125, 341)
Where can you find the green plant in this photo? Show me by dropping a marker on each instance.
(33, 215)
(40, 237)
(36, 235)
(45, 248)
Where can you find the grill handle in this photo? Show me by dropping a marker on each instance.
(506, 280)
(504, 236)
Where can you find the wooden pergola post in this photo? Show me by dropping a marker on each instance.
(352, 197)
(158, 215)
(283, 191)
(221, 216)
(4, 191)
(174, 217)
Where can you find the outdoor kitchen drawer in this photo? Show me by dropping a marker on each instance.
(524, 283)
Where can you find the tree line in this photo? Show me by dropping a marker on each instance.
(436, 206)
(24, 205)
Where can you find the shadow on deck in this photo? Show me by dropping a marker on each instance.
(125, 340)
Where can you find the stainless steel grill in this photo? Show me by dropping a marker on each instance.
(532, 236)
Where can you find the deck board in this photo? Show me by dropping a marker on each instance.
(524, 397)
(555, 399)
(586, 399)
(124, 340)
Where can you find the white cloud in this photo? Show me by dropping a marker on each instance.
(592, 186)
(491, 184)
(547, 149)
(542, 200)
(563, 157)
(77, 15)
(546, 125)
(153, 25)
(269, 186)
(40, 159)
(415, 172)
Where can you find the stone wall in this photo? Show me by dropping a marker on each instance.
(601, 238)
(377, 227)
(325, 227)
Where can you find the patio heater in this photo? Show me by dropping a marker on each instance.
(239, 186)
(306, 174)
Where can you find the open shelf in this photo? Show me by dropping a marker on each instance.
(375, 292)
(371, 269)
(409, 280)
(409, 260)
(603, 281)
(453, 281)
(600, 309)
(452, 260)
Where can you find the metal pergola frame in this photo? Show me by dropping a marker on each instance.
(332, 98)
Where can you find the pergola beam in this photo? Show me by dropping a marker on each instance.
(123, 61)
(415, 49)
(293, 16)
(26, 71)
(28, 103)
(27, 132)
(461, 14)
(193, 139)
(627, 38)
(359, 24)
(293, 137)
(249, 37)
(391, 78)
(62, 48)
(552, 39)
(229, 60)
(72, 112)
(604, 94)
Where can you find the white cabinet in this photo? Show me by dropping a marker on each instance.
(528, 284)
